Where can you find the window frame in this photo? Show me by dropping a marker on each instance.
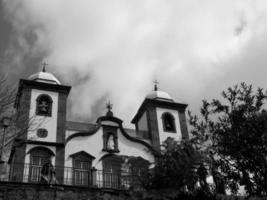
(42, 131)
(173, 124)
(82, 168)
(81, 174)
(49, 102)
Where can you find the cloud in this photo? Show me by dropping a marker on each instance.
(114, 49)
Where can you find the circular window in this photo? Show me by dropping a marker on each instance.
(42, 133)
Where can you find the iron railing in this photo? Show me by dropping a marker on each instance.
(93, 178)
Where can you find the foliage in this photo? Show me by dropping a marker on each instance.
(233, 135)
(7, 96)
(17, 127)
(179, 169)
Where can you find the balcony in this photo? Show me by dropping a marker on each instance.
(67, 176)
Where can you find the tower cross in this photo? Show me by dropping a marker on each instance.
(44, 64)
(109, 106)
(155, 85)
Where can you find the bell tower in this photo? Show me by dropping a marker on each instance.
(41, 107)
(160, 117)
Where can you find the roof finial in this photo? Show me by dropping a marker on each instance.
(44, 64)
(109, 107)
(155, 85)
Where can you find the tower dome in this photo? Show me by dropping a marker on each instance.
(44, 77)
(158, 94)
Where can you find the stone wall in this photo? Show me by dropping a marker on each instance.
(23, 191)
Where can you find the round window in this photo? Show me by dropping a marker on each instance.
(42, 133)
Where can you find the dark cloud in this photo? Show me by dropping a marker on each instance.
(114, 50)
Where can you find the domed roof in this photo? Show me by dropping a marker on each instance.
(44, 77)
(158, 94)
(161, 95)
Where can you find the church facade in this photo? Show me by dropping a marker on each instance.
(81, 150)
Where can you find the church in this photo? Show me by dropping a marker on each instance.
(101, 154)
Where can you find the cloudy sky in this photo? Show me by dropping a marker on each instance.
(114, 49)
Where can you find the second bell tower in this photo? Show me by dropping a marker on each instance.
(160, 117)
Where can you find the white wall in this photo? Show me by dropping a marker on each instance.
(91, 144)
(130, 148)
(164, 135)
(94, 144)
(36, 122)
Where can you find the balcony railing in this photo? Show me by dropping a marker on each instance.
(92, 178)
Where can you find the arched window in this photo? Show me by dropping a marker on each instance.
(38, 157)
(42, 133)
(168, 122)
(44, 105)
